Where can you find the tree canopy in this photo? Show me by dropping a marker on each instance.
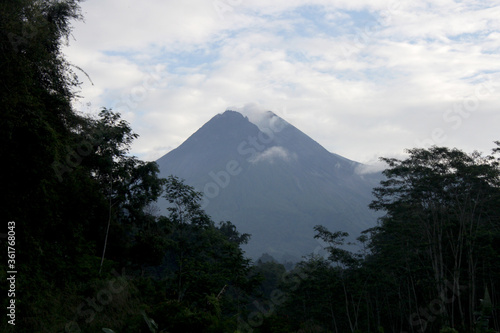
(430, 265)
(92, 251)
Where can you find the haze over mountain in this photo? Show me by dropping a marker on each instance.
(272, 181)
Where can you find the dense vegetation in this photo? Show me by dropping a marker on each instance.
(93, 255)
(90, 251)
(430, 265)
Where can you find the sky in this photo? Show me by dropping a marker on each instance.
(364, 78)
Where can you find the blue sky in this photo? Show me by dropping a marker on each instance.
(363, 78)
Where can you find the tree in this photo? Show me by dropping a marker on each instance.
(431, 264)
(348, 264)
(335, 241)
(38, 127)
(185, 202)
(440, 209)
(204, 269)
(271, 273)
(128, 184)
(78, 197)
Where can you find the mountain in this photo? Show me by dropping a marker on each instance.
(272, 181)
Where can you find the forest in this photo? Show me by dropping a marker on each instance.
(92, 253)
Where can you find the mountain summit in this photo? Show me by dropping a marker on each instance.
(272, 181)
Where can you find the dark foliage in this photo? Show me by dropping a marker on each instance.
(431, 264)
(91, 252)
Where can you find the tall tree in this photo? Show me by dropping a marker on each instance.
(204, 268)
(440, 206)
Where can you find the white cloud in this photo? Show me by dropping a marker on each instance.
(270, 155)
(357, 76)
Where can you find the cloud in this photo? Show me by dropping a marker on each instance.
(272, 154)
(360, 77)
(253, 111)
(364, 169)
(261, 117)
(374, 164)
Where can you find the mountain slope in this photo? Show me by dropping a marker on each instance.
(273, 182)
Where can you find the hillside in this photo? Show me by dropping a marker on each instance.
(272, 181)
